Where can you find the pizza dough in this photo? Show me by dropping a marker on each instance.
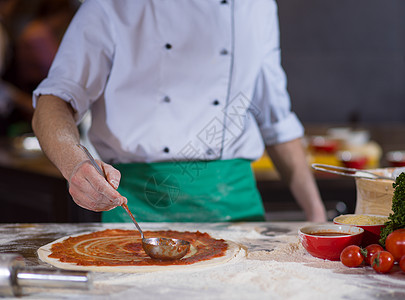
(233, 249)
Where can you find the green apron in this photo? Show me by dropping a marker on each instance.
(194, 191)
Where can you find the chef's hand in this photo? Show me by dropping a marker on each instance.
(92, 191)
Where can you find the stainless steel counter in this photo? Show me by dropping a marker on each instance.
(275, 266)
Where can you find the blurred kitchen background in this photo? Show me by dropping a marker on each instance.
(345, 64)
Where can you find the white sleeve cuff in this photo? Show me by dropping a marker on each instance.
(68, 91)
(285, 130)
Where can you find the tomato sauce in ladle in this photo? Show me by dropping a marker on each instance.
(157, 248)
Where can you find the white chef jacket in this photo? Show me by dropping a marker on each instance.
(175, 80)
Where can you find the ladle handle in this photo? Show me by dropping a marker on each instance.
(349, 172)
(93, 162)
(334, 169)
(133, 219)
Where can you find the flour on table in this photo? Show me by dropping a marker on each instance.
(243, 279)
(278, 273)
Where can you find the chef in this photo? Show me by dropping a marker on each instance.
(183, 95)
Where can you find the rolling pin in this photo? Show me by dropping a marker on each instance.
(14, 276)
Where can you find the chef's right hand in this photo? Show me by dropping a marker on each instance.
(92, 191)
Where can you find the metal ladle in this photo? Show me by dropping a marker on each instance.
(351, 172)
(157, 248)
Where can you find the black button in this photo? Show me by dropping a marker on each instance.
(168, 46)
(210, 152)
(224, 52)
(224, 2)
(166, 99)
(166, 150)
(216, 102)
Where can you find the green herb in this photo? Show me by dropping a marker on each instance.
(396, 220)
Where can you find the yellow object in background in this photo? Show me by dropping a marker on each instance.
(326, 159)
(263, 163)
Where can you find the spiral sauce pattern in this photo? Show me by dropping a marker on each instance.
(117, 247)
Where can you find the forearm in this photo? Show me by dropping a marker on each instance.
(56, 130)
(290, 161)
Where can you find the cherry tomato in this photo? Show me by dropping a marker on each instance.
(351, 256)
(371, 250)
(382, 261)
(402, 263)
(395, 243)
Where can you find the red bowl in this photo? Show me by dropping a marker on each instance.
(359, 163)
(329, 247)
(353, 160)
(371, 232)
(323, 144)
(396, 158)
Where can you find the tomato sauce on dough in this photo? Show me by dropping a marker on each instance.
(117, 247)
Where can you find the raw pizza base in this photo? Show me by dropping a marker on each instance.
(234, 250)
